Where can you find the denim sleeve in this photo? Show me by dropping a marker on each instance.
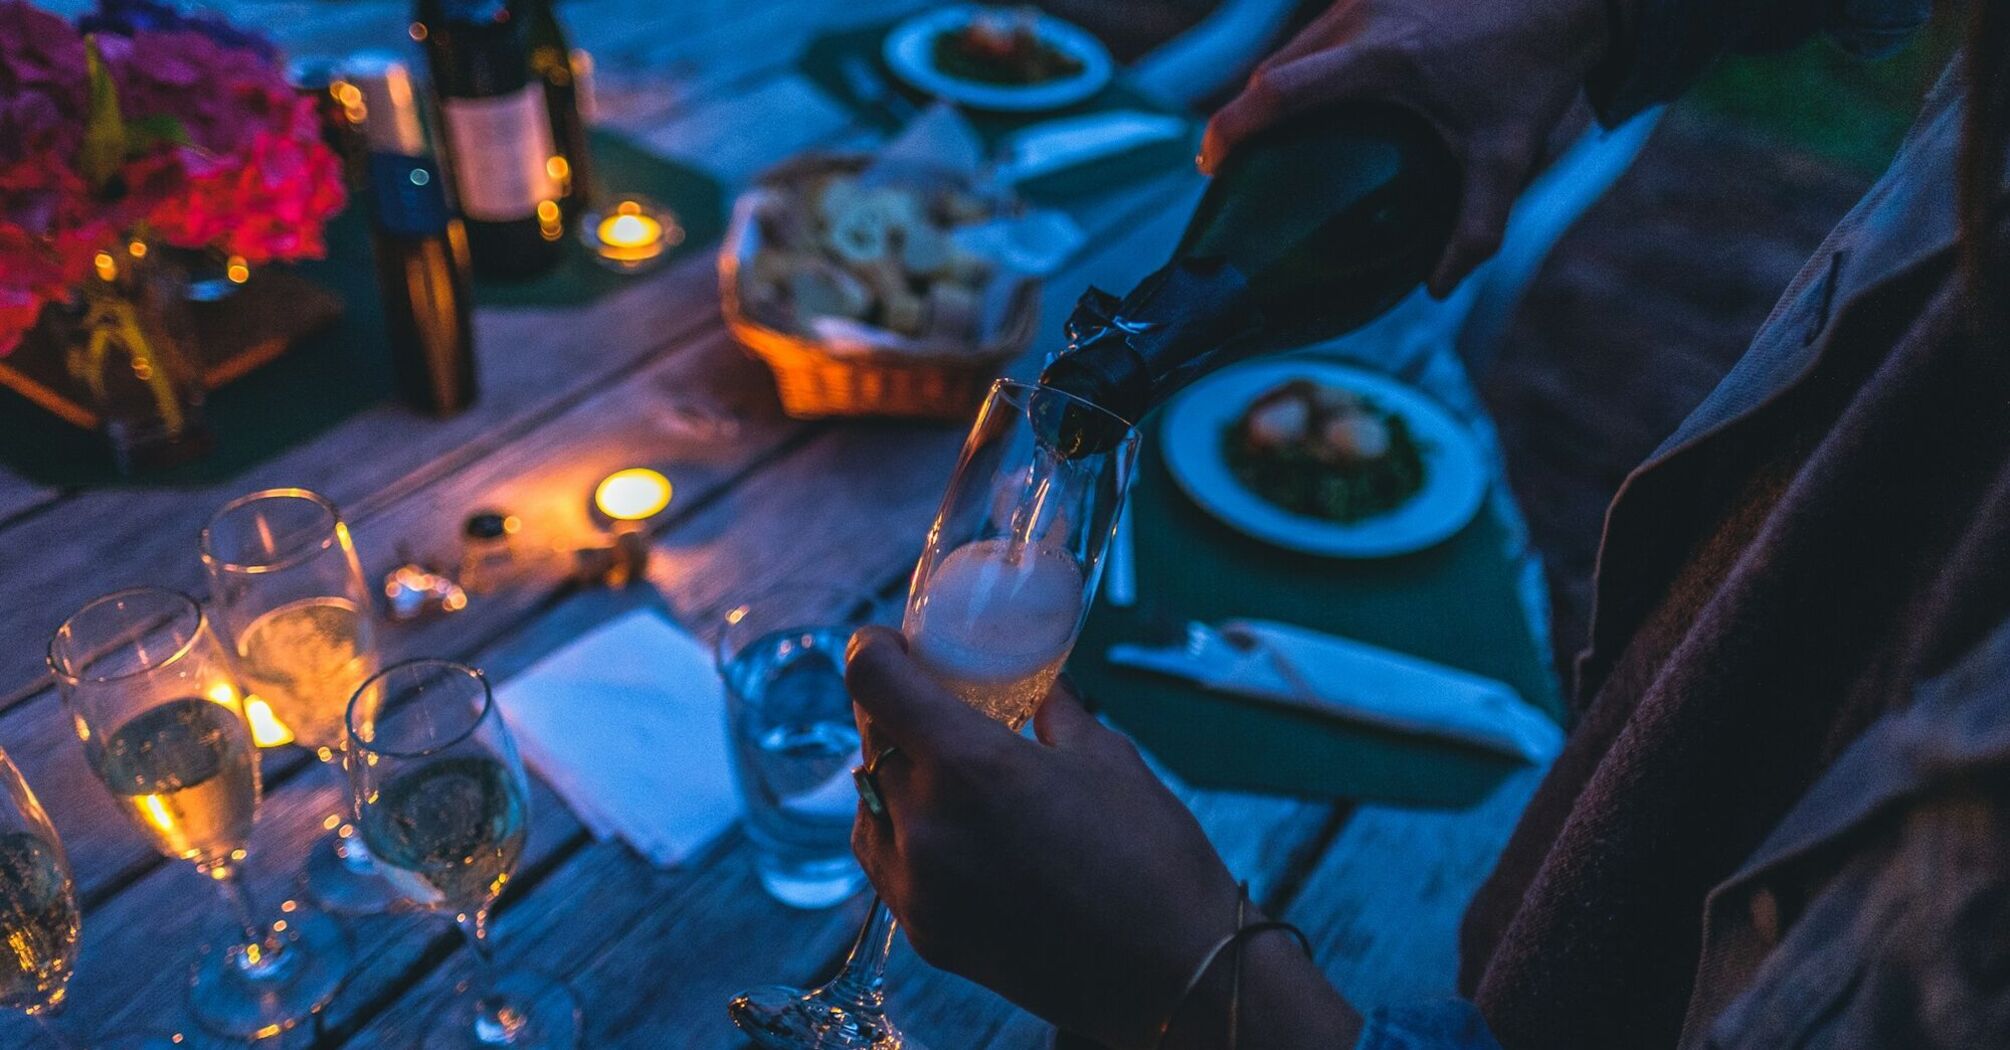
(1448, 1024)
(1660, 47)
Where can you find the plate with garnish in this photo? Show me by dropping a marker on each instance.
(1010, 59)
(1324, 458)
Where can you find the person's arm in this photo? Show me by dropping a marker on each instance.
(1500, 78)
(1060, 873)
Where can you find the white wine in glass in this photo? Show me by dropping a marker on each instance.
(39, 921)
(448, 833)
(306, 659)
(187, 773)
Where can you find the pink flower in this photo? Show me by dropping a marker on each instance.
(42, 83)
(220, 153)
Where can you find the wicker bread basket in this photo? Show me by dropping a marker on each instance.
(816, 381)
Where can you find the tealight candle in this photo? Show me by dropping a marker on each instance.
(632, 235)
(632, 494)
(624, 500)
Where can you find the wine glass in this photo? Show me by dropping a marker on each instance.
(442, 799)
(39, 919)
(994, 608)
(289, 596)
(150, 690)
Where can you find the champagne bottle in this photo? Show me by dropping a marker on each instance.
(1311, 229)
(551, 60)
(496, 133)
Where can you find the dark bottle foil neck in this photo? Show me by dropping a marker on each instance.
(1127, 355)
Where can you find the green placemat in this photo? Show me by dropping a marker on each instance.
(823, 63)
(345, 367)
(1457, 603)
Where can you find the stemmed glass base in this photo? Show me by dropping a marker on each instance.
(521, 1011)
(235, 996)
(783, 1018)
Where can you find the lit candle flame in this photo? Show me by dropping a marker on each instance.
(632, 494)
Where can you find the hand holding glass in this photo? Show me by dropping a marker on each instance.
(995, 606)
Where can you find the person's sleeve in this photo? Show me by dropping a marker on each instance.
(1660, 47)
(1449, 1024)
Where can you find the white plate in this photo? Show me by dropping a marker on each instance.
(910, 53)
(1455, 474)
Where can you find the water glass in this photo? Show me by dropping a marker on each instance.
(794, 740)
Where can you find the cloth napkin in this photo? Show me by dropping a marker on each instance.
(627, 723)
(1307, 669)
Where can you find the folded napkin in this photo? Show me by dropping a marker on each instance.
(1309, 670)
(627, 723)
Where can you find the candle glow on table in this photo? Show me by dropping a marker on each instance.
(632, 235)
(632, 494)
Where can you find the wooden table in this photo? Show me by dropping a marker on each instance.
(569, 396)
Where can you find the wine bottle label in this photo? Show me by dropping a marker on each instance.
(500, 148)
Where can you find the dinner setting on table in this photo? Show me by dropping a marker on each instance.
(456, 458)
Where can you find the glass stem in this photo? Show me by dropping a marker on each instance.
(861, 984)
(497, 1019)
(260, 954)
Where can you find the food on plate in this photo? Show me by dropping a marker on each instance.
(1325, 452)
(834, 246)
(1003, 47)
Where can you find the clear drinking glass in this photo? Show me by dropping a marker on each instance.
(782, 658)
(996, 603)
(150, 690)
(289, 597)
(442, 799)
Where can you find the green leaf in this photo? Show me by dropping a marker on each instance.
(104, 148)
(145, 133)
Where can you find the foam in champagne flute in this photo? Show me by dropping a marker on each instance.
(996, 622)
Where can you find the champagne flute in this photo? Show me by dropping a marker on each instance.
(39, 919)
(289, 595)
(994, 608)
(149, 688)
(442, 799)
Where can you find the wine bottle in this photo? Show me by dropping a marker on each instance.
(551, 61)
(1310, 229)
(496, 134)
(423, 276)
